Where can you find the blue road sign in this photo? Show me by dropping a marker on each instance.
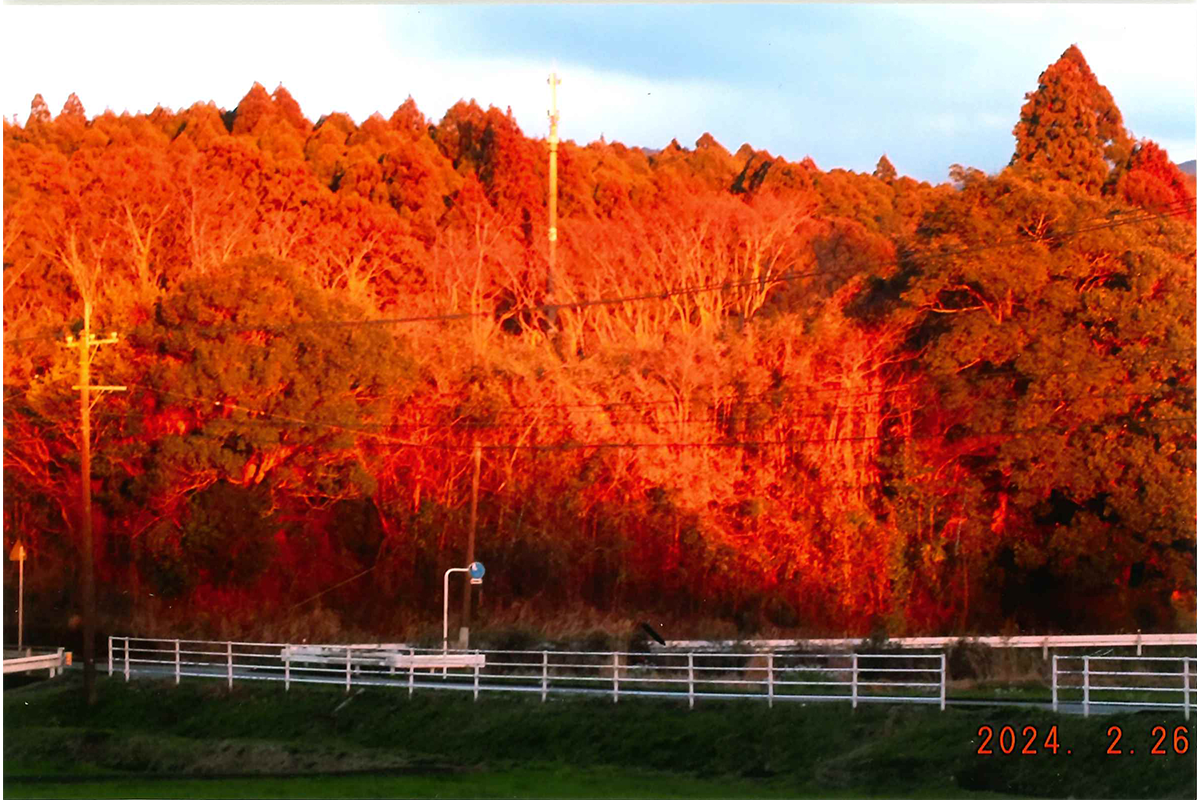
(476, 569)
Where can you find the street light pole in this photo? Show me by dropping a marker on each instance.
(446, 607)
(475, 570)
(18, 555)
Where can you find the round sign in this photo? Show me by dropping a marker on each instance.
(476, 569)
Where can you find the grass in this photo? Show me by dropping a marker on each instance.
(545, 781)
(150, 738)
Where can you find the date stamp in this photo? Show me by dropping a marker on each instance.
(1032, 742)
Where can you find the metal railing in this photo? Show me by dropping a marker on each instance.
(792, 676)
(1107, 681)
(26, 661)
(1137, 640)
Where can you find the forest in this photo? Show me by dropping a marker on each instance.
(751, 396)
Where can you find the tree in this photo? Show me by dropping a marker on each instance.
(884, 170)
(1070, 128)
(252, 377)
(39, 112)
(1154, 182)
(1063, 401)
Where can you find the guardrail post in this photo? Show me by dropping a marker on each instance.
(127, 659)
(412, 657)
(229, 662)
(771, 680)
(616, 675)
(176, 662)
(1187, 690)
(287, 667)
(691, 682)
(110, 649)
(55, 670)
(854, 681)
(477, 680)
(1139, 641)
(943, 680)
(1085, 685)
(1054, 683)
(347, 668)
(545, 672)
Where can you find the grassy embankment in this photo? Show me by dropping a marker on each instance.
(149, 738)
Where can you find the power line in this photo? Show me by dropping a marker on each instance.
(668, 293)
(266, 417)
(734, 407)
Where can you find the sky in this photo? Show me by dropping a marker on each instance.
(929, 85)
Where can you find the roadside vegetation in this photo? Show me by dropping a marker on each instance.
(151, 738)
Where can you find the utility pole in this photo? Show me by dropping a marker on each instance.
(86, 345)
(553, 114)
(18, 555)
(464, 632)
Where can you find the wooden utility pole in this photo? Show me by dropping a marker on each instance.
(553, 114)
(466, 608)
(86, 344)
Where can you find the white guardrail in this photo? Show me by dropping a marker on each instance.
(26, 661)
(800, 676)
(1110, 681)
(1137, 640)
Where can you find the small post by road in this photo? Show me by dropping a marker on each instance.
(1054, 684)
(1187, 690)
(616, 676)
(943, 681)
(854, 681)
(691, 682)
(771, 679)
(1086, 687)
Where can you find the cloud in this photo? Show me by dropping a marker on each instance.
(132, 59)
(930, 85)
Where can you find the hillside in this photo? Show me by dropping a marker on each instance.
(750, 394)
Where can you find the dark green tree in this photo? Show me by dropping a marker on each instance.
(253, 379)
(1062, 354)
(1070, 128)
